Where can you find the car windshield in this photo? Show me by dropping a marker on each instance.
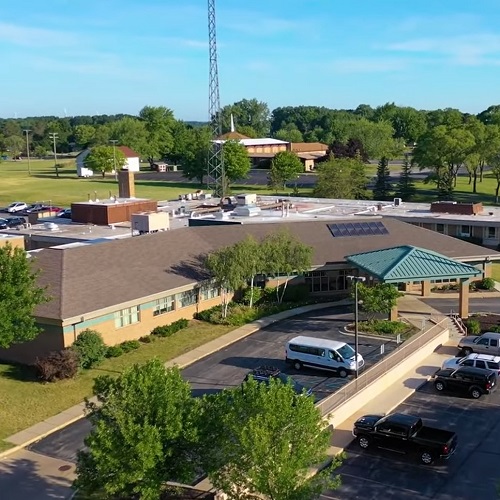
(346, 351)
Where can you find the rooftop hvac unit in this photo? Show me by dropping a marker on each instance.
(150, 222)
(397, 202)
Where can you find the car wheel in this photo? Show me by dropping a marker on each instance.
(363, 442)
(426, 458)
(297, 365)
(342, 373)
(439, 386)
(466, 351)
(475, 393)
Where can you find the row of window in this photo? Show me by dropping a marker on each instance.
(328, 281)
(131, 315)
(489, 232)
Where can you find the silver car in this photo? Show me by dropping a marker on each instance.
(485, 361)
(487, 343)
(16, 206)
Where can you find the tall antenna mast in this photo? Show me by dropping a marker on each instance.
(216, 178)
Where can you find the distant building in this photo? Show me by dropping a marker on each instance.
(132, 163)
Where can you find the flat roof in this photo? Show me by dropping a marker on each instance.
(316, 342)
(111, 201)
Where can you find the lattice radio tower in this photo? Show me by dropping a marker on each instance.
(216, 178)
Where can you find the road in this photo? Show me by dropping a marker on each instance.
(473, 471)
(228, 367)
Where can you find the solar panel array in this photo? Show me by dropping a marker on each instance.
(357, 229)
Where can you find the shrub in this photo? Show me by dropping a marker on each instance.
(296, 293)
(90, 347)
(209, 315)
(384, 327)
(167, 330)
(130, 345)
(473, 326)
(57, 365)
(257, 295)
(146, 339)
(114, 351)
(495, 329)
(486, 284)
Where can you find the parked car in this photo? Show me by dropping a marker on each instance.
(485, 361)
(10, 222)
(323, 354)
(466, 380)
(39, 207)
(405, 434)
(265, 373)
(16, 206)
(64, 213)
(487, 343)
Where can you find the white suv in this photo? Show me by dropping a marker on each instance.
(486, 361)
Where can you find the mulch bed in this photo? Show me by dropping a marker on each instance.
(487, 321)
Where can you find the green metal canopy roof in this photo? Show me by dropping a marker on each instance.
(409, 263)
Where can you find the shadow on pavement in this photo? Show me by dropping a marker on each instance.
(21, 479)
(251, 363)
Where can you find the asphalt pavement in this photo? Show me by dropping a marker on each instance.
(472, 472)
(227, 368)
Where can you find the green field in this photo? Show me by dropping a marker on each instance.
(43, 185)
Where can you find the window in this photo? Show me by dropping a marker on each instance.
(188, 298)
(480, 364)
(491, 232)
(493, 366)
(314, 351)
(493, 342)
(127, 317)
(440, 228)
(164, 305)
(484, 342)
(210, 293)
(464, 230)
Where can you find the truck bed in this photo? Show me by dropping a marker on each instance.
(434, 435)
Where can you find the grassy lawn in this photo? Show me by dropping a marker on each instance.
(495, 271)
(43, 185)
(25, 401)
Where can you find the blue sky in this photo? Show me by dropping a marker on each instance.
(110, 56)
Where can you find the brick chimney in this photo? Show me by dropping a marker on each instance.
(126, 184)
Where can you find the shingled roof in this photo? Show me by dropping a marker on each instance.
(88, 278)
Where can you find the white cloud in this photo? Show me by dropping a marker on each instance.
(460, 49)
(37, 37)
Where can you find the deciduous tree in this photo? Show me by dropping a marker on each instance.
(105, 159)
(15, 144)
(19, 295)
(236, 161)
(262, 441)
(379, 298)
(285, 166)
(194, 157)
(143, 434)
(341, 178)
(247, 113)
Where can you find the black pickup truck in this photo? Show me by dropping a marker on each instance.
(405, 434)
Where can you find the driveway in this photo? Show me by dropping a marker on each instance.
(228, 367)
(473, 472)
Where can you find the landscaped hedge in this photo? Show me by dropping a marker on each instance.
(167, 330)
(384, 327)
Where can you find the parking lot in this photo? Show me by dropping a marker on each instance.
(228, 367)
(473, 472)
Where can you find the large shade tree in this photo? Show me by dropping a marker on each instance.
(105, 159)
(19, 295)
(143, 434)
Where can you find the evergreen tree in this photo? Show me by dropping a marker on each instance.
(383, 187)
(406, 187)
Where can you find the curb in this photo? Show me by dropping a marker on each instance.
(252, 328)
(344, 331)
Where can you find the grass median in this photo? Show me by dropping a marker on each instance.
(25, 401)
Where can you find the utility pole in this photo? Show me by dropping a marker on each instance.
(53, 136)
(356, 280)
(26, 131)
(114, 141)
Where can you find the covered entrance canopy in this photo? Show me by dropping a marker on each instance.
(407, 263)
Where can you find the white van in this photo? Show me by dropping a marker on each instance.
(322, 353)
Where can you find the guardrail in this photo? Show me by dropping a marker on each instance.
(393, 359)
(458, 322)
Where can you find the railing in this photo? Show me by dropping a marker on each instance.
(393, 359)
(457, 321)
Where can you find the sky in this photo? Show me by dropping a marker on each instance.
(86, 57)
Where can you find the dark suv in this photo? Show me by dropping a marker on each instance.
(265, 373)
(11, 222)
(466, 380)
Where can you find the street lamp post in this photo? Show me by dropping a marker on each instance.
(26, 131)
(356, 280)
(53, 136)
(114, 141)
